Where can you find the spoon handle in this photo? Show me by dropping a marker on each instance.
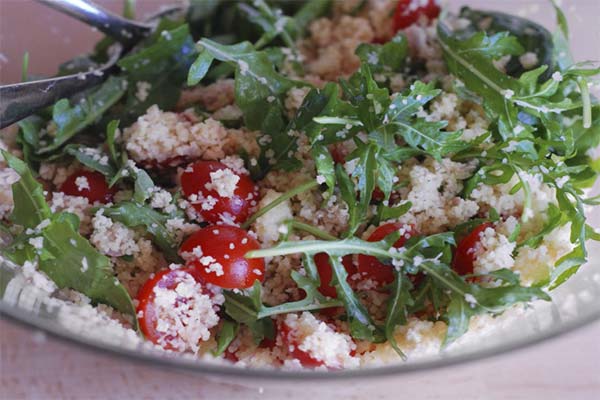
(22, 99)
(121, 29)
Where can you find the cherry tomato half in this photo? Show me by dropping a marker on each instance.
(214, 203)
(464, 255)
(370, 266)
(89, 184)
(326, 273)
(218, 254)
(408, 12)
(291, 343)
(147, 308)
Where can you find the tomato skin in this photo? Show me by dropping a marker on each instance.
(145, 308)
(407, 13)
(238, 207)
(464, 255)
(98, 188)
(288, 339)
(326, 273)
(377, 195)
(227, 245)
(370, 266)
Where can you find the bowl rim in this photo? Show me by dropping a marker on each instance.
(175, 362)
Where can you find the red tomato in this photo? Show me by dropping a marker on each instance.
(338, 153)
(235, 208)
(377, 195)
(291, 343)
(88, 184)
(370, 266)
(464, 255)
(325, 273)
(409, 11)
(146, 309)
(223, 262)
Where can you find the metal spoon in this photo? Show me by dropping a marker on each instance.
(17, 101)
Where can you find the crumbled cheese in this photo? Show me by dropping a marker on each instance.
(492, 252)
(183, 324)
(529, 60)
(112, 238)
(320, 341)
(143, 90)
(224, 182)
(557, 76)
(161, 136)
(267, 226)
(37, 242)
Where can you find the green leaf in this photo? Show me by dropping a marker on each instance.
(397, 305)
(388, 57)
(362, 326)
(458, 315)
(142, 183)
(260, 92)
(111, 132)
(272, 22)
(228, 332)
(494, 46)
(28, 195)
(566, 267)
(92, 158)
(70, 254)
(393, 212)
(162, 62)
(66, 257)
(71, 120)
(430, 137)
(135, 215)
(199, 68)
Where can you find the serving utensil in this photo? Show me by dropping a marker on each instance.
(20, 100)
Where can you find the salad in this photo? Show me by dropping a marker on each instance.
(314, 184)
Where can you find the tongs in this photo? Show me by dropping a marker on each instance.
(20, 100)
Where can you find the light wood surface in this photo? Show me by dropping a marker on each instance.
(35, 367)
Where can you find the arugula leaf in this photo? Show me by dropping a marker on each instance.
(111, 133)
(67, 268)
(272, 22)
(259, 92)
(495, 46)
(507, 98)
(310, 10)
(65, 256)
(142, 182)
(226, 335)
(458, 315)
(431, 255)
(92, 158)
(28, 194)
(397, 305)
(387, 57)
(199, 68)
(362, 326)
(528, 36)
(71, 120)
(163, 62)
(245, 310)
(135, 215)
